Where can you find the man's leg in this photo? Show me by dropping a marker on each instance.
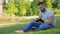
(45, 26)
(29, 26)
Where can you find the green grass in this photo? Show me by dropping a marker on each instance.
(10, 27)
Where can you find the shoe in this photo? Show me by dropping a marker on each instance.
(19, 31)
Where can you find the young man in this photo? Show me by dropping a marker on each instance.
(47, 15)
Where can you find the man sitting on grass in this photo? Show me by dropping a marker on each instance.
(46, 14)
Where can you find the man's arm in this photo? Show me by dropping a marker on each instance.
(50, 20)
(40, 16)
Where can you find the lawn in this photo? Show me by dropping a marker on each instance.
(10, 27)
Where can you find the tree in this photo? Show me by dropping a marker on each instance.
(34, 7)
(48, 4)
(11, 9)
(55, 4)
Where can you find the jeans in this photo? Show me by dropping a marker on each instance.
(39, 26)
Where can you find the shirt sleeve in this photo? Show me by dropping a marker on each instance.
(50, 14)
(40, 15)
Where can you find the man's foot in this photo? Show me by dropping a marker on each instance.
(19, 31)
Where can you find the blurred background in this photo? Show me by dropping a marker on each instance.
(26, 7)
(16, 14)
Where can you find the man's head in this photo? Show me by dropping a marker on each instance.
(41, 6)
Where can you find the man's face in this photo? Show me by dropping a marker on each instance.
(42, 7)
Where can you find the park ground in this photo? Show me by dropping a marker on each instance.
(10, 27)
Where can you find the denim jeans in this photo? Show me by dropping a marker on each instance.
(39, 26)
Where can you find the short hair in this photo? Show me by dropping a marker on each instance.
(40, 3)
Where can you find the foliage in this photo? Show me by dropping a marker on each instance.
(48, 4)
(27, 8)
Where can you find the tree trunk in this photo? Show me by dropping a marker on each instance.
(1, 7)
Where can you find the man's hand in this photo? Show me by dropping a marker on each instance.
(39, 21)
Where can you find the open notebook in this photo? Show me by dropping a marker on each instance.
(40, 20)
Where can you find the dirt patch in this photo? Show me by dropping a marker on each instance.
(6, 19)
(9, 19)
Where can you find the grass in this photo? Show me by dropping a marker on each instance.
(10, 27)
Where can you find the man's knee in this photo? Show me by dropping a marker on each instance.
(43, 26)
(32, 22)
